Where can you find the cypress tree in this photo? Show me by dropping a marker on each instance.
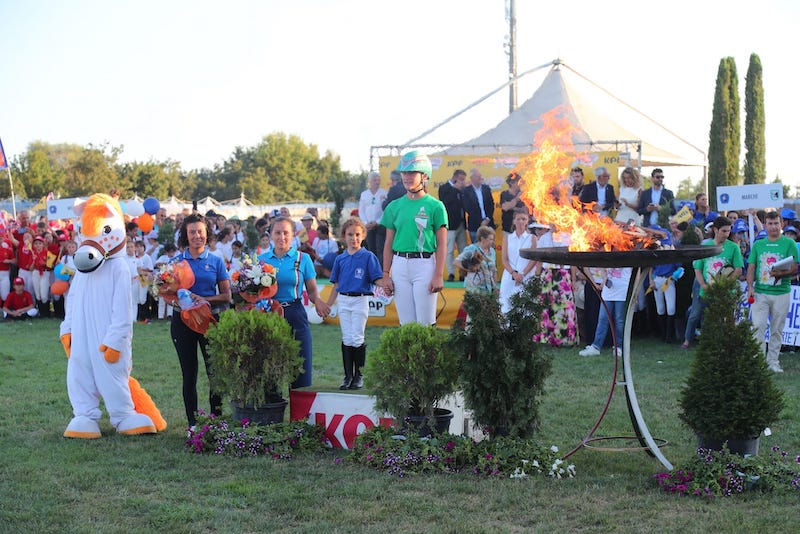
(724, 138)
(755, 161)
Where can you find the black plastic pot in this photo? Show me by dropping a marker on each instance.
(421, 424)
(742, 447)
(266, 414)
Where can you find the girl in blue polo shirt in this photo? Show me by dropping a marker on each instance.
(353, 275)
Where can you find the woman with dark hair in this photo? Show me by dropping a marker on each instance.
(295, 273)
(212, 284)
(510, 202)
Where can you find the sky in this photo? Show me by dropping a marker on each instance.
(191, 81)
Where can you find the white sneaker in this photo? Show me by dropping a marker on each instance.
(775, 368)
(590, 350)
(618, 352)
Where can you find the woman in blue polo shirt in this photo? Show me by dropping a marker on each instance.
(212, 284)
(295, 272)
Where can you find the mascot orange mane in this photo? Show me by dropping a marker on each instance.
(98, 327)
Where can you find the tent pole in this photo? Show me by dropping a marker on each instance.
(11, 186)
(512, 55)
(495, 91)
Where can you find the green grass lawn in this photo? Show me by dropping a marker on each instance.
(150, 484)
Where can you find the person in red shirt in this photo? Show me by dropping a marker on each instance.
(19, 303)
(41, 276)
(22, 224)
(24, 249)
(7, 259)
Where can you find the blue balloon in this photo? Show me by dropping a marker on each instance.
(58, 271)
(151, 205)
(123, 206)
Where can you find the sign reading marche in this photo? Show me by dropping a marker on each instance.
(742, 197)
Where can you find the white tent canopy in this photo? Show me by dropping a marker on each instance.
(602, 122)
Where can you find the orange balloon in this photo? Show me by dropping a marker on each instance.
(185, 274)
(145, 222)
(59, 287)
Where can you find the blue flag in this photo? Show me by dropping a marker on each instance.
(3, 161)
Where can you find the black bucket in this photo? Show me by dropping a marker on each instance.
(266, 414)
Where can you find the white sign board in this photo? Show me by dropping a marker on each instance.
(742, 197)
(61, 208)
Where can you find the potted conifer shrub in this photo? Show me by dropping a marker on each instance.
(254, 357)
(729, 395)
(502, 369)
(411, 371)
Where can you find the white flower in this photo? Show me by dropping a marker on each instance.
(554, 448)
(571, 470)
(266, 280)
(536, 463)
(518, 473)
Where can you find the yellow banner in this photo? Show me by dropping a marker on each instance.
(495, 169)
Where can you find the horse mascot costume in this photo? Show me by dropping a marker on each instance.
(98, 327)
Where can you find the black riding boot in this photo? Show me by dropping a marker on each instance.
(662, 327)
(347, 362)
(359, 359)
(670, 336)
(58, 307)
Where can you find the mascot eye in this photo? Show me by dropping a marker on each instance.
(106, 229)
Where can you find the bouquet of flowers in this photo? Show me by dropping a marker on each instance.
(255, 280)
(168, 278)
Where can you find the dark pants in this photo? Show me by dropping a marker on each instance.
(591, 311)
(186, 341)
(295, 314)
(375, 240)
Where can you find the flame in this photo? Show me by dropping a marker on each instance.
(547, 191)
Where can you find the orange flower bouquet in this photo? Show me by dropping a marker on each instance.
(167, 279)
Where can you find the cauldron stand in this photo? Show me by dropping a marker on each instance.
(641, 261)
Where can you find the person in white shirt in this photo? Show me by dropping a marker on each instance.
(225, 242)
(370, 211)
(170, 250)
(152, 246)
(133, 267)
(145, 272)
(326, 249)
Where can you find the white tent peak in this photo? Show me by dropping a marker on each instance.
(602, 122)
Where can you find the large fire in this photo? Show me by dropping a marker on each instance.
(547, 192)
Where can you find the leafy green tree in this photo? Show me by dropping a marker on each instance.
(42, 169)
(724, 136)
(94, 171)
(342, 186)
(755, 164)
(688, 189)
(152, 179)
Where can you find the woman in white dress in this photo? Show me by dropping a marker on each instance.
(516, 269)
(629, 191)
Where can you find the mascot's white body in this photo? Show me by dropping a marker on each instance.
(97, 328)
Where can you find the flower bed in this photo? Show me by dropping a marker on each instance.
(721, 474)
(215, 435)
(400, 455)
